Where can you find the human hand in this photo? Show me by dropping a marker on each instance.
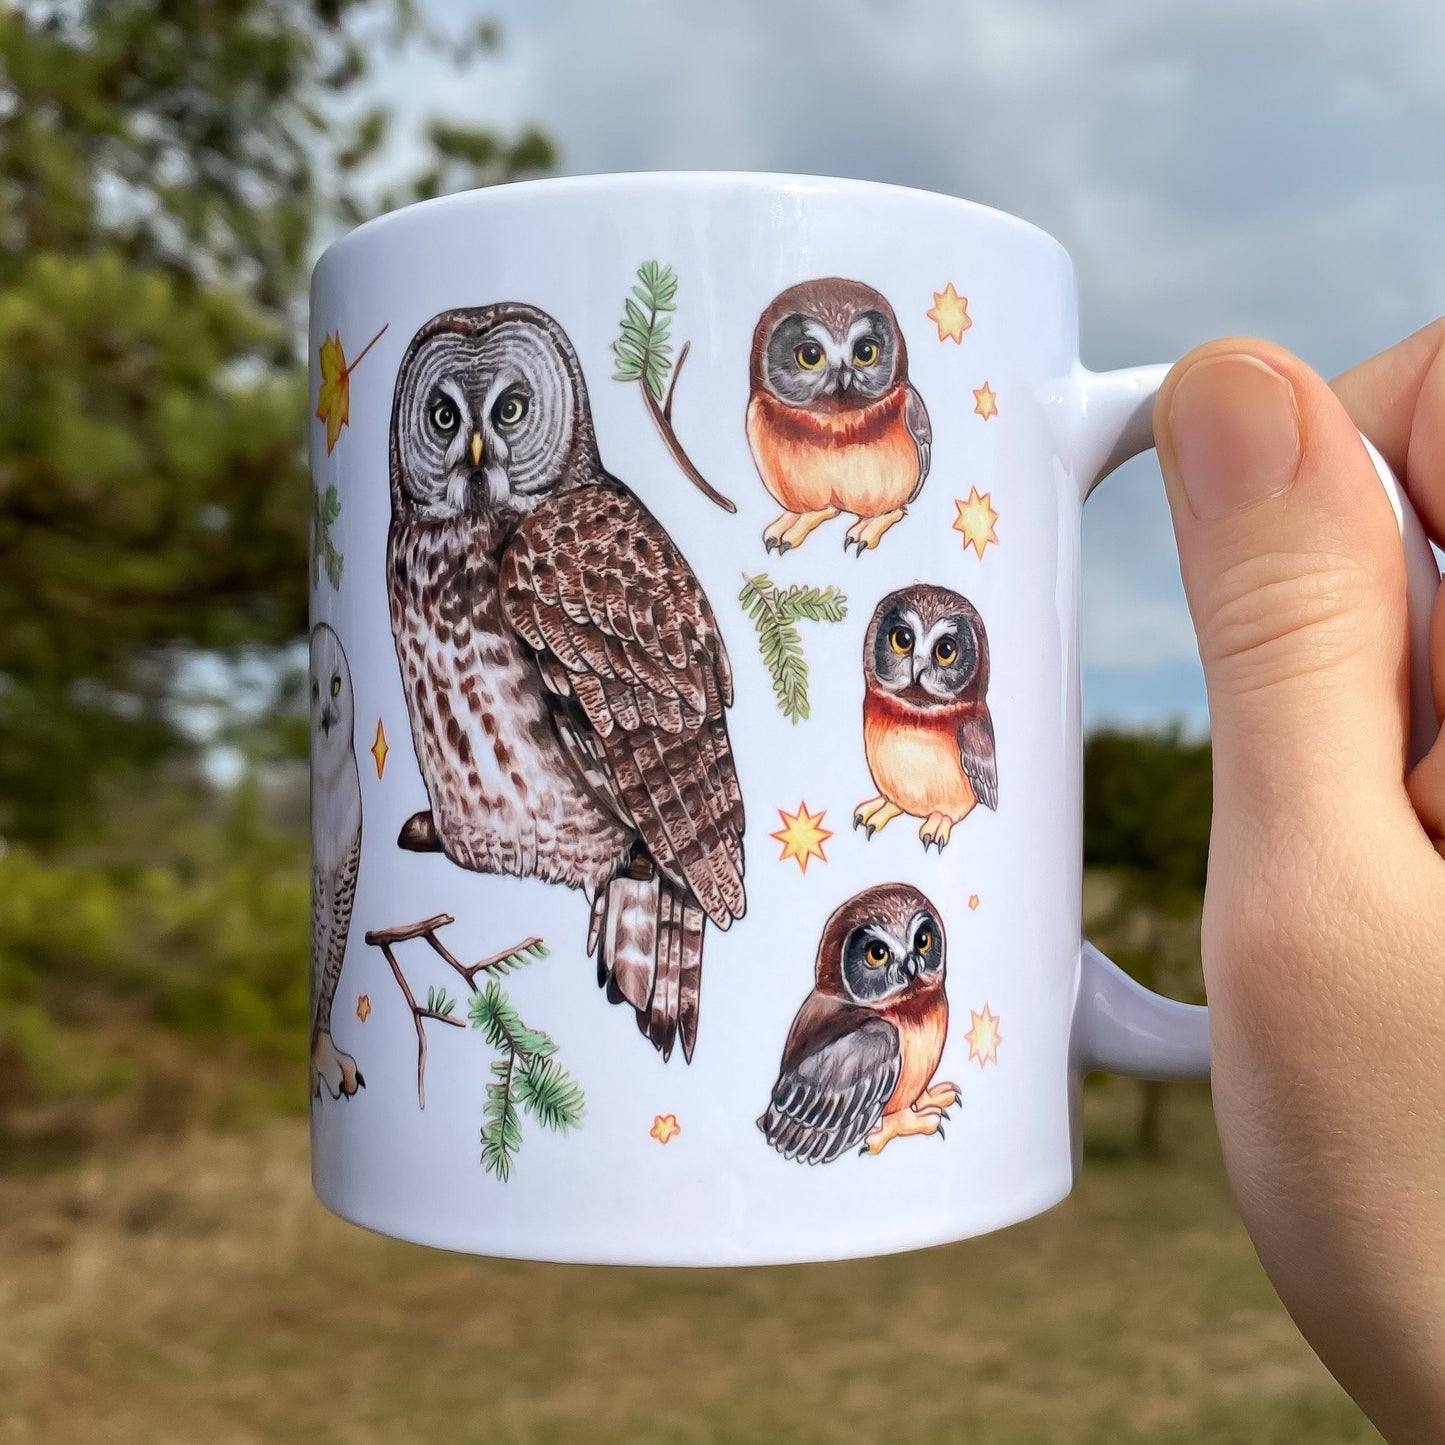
(1324, 914)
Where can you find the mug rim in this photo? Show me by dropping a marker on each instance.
(603, 181)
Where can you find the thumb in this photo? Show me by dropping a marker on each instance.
(1292, 565)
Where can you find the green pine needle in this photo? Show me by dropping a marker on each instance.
(325, 509)
(550, 1094)
(775, 614)
(525, 1076)
(518, 958)
(642, 348)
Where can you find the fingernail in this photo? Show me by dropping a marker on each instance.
(1236, 434)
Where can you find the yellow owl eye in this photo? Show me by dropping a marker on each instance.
(877, 954)
(865, 351)
(945, 651)
(900, 639)
(923, 939)
(809, 356)
(444, 416)
(511, 407)
(336, 687)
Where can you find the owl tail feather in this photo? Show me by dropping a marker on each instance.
(647, 937)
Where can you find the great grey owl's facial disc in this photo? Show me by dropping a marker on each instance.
(486, 419)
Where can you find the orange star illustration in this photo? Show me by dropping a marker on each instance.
(950, 313)
(983, 1038)
(333, 400)
(363, 1007)
(379, 749)
(664, 1127)
(975, 520)
(985, 401)
(972, 901)
(802, 836)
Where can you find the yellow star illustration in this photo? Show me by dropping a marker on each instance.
(983, 1038)
(379, 749)
(664, 1127)
(802, 836)
(975, 520)
(985, 401)
(363, 1007)
(972, 901)
(950, 313)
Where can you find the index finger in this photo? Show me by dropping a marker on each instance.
(1398, 400)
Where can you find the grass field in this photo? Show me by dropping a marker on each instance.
(191, 1290)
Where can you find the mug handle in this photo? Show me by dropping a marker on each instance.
(1119, 1025)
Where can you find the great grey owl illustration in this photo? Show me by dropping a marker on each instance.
(563, 670)
(335, 852)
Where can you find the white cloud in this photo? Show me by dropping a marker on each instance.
(1269, 166)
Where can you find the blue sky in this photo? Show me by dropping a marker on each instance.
(1264, 166)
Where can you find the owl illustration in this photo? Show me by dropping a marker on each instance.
(563, 670)
(833, 423)
(927, 733)
(335, 852)
(859, 1062)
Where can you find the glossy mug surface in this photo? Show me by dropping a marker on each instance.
(695, 722)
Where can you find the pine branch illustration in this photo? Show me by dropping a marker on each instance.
(775, 614)
(501, 1127)
(525, 1076)
(825, 604)
(550, 1094)
(643, 349)
(325, 509)
(527, 1073)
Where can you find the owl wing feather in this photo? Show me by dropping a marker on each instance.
(628, 646)
(332, 898)
(976, 752)
(915, 416)
(839, 1067)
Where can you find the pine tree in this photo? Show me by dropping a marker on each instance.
(165, 173)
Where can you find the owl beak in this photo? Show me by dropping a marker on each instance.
(475, 446)
(844, 381)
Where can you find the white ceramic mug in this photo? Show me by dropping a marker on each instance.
(695, 700)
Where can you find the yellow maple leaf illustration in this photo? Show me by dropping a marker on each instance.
(333, 399)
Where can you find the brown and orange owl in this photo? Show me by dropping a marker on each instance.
(834, 424)
(927, 733)
(860, 1057)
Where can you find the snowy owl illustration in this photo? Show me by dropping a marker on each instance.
(335, 852)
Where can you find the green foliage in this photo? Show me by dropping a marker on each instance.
(325, 509)
(1147, 805)
(533, 949)
(643, 350)
(166, 173)
(527, 1074)
(501, 1127)
(175, 915)
(438, 1001)
(775, 613)
(550, 1094)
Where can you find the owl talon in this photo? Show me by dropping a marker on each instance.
(332, 1068)
(937, 829)
(875, 814)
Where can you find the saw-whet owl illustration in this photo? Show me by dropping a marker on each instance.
(565, 676)
(833, 422)
(858, 1065)
(927, 734)
(335, 851)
